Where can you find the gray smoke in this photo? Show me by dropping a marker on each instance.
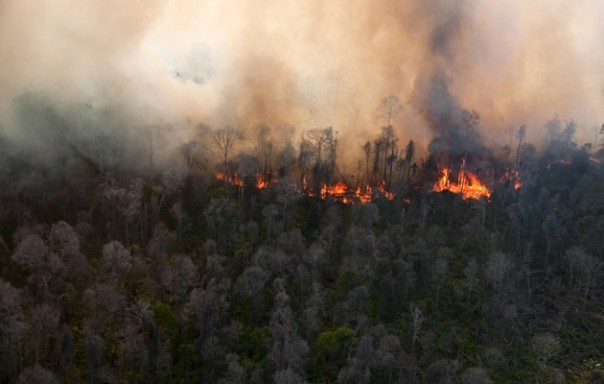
(306, 64)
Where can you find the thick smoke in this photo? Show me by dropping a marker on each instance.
(306, 64)
(432, 97)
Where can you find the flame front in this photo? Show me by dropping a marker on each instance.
(261, 181)
(468, 184)
(234, 180)
(363, 196)
(339, 191)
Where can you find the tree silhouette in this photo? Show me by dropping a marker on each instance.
(224, 141)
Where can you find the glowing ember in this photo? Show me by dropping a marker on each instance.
(234, 180)
(382, 188)
(261, 181)
(468, 185)
(512, 177)
(339, 191)
(363, 196)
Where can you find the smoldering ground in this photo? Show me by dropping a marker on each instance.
(118, 68)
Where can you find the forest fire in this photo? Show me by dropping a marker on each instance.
(233, 180)
(512, 177)
(339, 191)
(468, 184)
(261, 181)
(363, 196)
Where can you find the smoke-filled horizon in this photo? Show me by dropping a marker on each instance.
(309, 64)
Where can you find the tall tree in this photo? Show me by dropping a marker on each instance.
(409, 154)
(389, 109)
(521, 135)
(224, 141)
(289, 350)
(367, 150)
(265, 149)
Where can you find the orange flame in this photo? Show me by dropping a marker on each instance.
(363, 196)
(382, 188)
(261, 181)
(468, 184)
(339, 191)
(234, 180)
(512, 176)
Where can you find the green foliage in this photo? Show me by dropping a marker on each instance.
(332, 348)
(335, 344)
(254, 343)
(219, 192)
(347, 281)
(163, 316)
(379, 258)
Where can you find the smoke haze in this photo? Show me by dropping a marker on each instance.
(309, 64)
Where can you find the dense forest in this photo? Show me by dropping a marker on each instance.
(224, 264)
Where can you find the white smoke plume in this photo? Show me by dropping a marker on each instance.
(307, 64)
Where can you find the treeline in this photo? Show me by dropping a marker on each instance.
(112, 276)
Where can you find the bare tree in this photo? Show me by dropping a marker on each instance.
(475, 375)
(289, 350)
(13, 326)
(36, 374)
(224, 141)
(409, 154)
(265, 149)
(322, 144)
(417, 320)
(367, 150)
(496, 268)
(154, 135)
(521, 135)
(389, 109)
(545, 346)
(194, 155)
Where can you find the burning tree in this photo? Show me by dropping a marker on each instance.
(224, 142)
(317, 157)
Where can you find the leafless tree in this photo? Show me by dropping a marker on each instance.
(441, 269)
(476, 375)
(194, 156)
(154, 134)
(13, 326)
(496, 268)
(409, 154)
(390, 107)
(545, 346)
(584, 271)
(521, 136)
(321, 154)
(37, 374)
(367, 150)
(265, 149)
(417, 320)
(235, 372)
(289, 350)
(224, 141)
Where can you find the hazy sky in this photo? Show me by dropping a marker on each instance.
(310, 63)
